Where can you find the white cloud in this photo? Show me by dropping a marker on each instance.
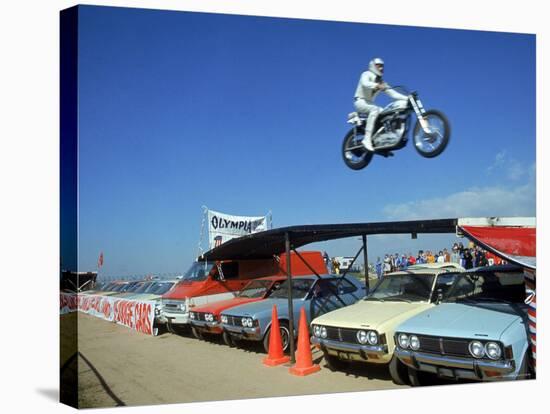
(508, 167)
(474, 202)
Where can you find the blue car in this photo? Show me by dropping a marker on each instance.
(317, 294)
(479, 331)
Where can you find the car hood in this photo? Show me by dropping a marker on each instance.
(218, 307)
(463, 321)
(264, 306)
(371, 314)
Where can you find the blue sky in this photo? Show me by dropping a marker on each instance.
(247, 114)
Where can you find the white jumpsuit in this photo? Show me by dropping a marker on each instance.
(366, 93)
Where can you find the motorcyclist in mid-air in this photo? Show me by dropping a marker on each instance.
(369, 86)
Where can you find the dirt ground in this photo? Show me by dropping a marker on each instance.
(118, 366)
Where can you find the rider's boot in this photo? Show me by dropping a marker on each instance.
(367, 141)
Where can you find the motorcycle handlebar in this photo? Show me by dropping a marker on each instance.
(403, 89)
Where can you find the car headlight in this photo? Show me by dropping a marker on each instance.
(403, 340)
(362, 337)
(224, 319)
(323, 332)
(209, 317)
(476, 349)
(247, 322)
(183, 306)
(493, 351)
(372, 337)
(317, 331)
(414, 342)
(192, 315)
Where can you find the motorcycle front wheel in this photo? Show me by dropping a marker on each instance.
(432, 144)
(354, 153)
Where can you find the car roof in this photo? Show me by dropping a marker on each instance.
(446, 265)
(496, 268)
(428, 271)
(315, 277)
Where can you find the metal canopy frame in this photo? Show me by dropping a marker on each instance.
(272, 242)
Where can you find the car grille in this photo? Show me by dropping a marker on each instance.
(172, 307)
(200, 316)
(444, 346)
(342, 334)
(234, 320)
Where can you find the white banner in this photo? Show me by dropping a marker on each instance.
(68, 302)
(134, 314)
(223, 227)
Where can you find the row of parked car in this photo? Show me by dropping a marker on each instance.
(425, 321)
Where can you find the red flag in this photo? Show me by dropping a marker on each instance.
(100, 260)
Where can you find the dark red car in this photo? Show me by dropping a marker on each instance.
(206, 318)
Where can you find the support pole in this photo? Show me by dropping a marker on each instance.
(290, 307)
(366, 259)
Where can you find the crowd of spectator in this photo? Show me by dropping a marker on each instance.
(467, 257)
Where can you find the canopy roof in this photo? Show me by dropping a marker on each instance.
(267, 243)
(512, 238)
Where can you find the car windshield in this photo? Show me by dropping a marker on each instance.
(484, 286)
(300, 289)
(255, 289)
(133, 287)
(404, 287)
(198, 271)
(143, 287)
(160, 288)
(118, 287)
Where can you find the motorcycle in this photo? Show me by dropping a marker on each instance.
(431, 132)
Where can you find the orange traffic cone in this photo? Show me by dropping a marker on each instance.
(276, 355)
(304, 362)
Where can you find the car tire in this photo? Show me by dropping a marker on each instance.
(228, 340)
(334, 363)
(398, 371)
(196, 333)
(524, 371)
(418, 378)
(283, 327)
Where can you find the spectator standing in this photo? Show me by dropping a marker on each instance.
(447, 255)
(378, 268)
(336, 266)
(411, 260)
(387, 264)
(462, 251)
(396, 263)
(440, 257)
(481, 259)
(468, 259)
(403, 263)
(430, 257)
(455, 255)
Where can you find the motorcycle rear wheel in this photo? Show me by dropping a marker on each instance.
(432, 145)
(358, 157)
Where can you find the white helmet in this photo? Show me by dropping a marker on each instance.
(373, 66)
